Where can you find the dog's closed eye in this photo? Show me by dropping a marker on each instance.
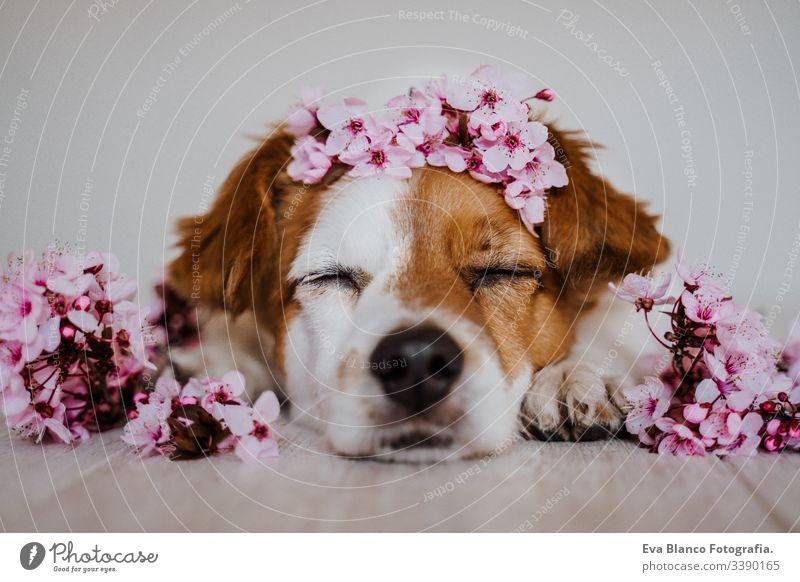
(346, 279)
(487, 277)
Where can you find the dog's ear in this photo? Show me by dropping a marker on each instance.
(593, 232)
(230, 250)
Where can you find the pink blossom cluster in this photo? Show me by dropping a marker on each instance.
(203, 417)
(72, 344)
(479, 125)
(729, 388)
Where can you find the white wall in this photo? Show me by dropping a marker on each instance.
(83, 70)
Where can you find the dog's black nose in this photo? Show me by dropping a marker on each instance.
(417, 367)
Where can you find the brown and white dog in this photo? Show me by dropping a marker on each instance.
(414, 319)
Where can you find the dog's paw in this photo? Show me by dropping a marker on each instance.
(570, 401)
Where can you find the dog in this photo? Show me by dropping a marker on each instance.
(415, 320)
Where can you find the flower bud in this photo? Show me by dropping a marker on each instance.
(769, 407)
(773, 443)
(68, 332)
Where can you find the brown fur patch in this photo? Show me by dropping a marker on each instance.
(237, 257)
(459, 227)
(592, 231)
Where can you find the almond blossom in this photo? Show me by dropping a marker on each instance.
(381, 157)
(350, 126)
(515, 148)
(643, 292)
(707, 305)
(303, 116)
(543, 171)
(727, 390)
(529, 201)
(679, 439)
(66, 364)
(480, 125)
(309, 162)
(253, 427)
(490, 96)
(203, 417)
(650, 401)
(734, 433)
(695, 276)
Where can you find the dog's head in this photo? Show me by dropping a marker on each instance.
(408, 316)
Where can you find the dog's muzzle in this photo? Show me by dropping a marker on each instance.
(417, 367)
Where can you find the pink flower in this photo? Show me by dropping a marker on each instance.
(253, 427)
(743, 331)
(15, 354)
(479, 125)
(745, 437)
(303, 117)
(166, 390)
(223, 392)
(706, 305)
(14, 398)
(543, 171)
(45, 415)
(83, 320)
(490, 95)
(381, 157)
(421, 131)
(707, 391)
(738, 367)
(679, 439)
(454, 157)
(350, 125)
(12, 356)
(64, 275)
(696, 276)
(149, 429)
(21, 312)
(515, 147)
(438, 88)
(116, 288)
(478, 170)
(650, 402)
(643, 292)
(309, 162)
(733, 433)
(749, 390)
(695, 412)
(520, 196)
(411, 109)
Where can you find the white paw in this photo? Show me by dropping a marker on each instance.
(571, 401)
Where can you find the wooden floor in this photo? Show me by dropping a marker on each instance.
(604, 486)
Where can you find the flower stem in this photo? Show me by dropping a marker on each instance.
(653, 333)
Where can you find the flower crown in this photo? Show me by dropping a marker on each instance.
(478, 125)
